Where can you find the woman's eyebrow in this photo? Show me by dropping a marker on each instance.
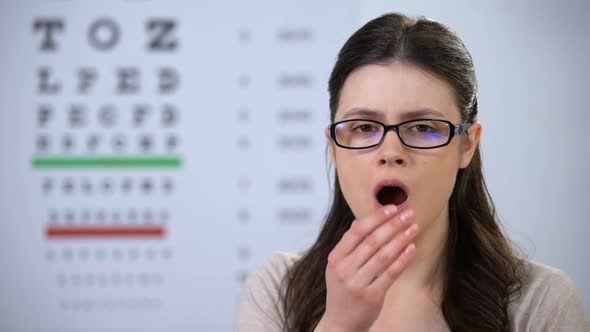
(420, 113)
(403, 116)
(363, 112)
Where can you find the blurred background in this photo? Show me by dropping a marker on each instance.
(155, 152)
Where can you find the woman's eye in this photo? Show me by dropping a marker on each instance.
(422, 128)
(365, 128)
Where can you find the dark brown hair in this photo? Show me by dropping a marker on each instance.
(482, 268)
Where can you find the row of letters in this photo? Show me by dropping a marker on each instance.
(125, 81)
(85, 186)
(94, 143)
(108, 115)
(105, 34)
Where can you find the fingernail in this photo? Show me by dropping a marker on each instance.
(390, 210)
(412, 230)
(410, 249)
(406, 215)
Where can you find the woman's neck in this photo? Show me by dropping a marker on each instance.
(426, 272)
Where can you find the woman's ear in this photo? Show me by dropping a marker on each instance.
(330, 146)
(470, 144)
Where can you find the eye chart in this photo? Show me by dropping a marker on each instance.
(155, 152)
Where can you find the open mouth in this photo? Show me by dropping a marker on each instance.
(392, 195)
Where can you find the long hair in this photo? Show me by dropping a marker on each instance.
(483, 271)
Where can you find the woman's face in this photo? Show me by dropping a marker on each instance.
(391, 94)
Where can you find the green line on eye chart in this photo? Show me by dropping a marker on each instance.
(105, 162)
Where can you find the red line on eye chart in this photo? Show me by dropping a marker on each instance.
(73, 232)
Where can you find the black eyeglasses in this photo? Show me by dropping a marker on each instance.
(417, 134)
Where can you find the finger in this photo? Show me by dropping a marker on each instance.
(379, 237)
(359, 230)
(382, 283)
(385, 257)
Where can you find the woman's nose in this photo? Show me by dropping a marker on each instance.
(392, 151)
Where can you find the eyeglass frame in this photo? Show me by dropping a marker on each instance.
(456, 130)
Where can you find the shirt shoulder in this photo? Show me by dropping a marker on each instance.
(548, 301)
(260, 307)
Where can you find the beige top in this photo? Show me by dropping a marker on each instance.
(549, 300)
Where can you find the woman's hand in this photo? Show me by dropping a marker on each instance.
(363, 265)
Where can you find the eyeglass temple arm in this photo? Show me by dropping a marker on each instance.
(460, 129)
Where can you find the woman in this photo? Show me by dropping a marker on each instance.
(411, 242)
